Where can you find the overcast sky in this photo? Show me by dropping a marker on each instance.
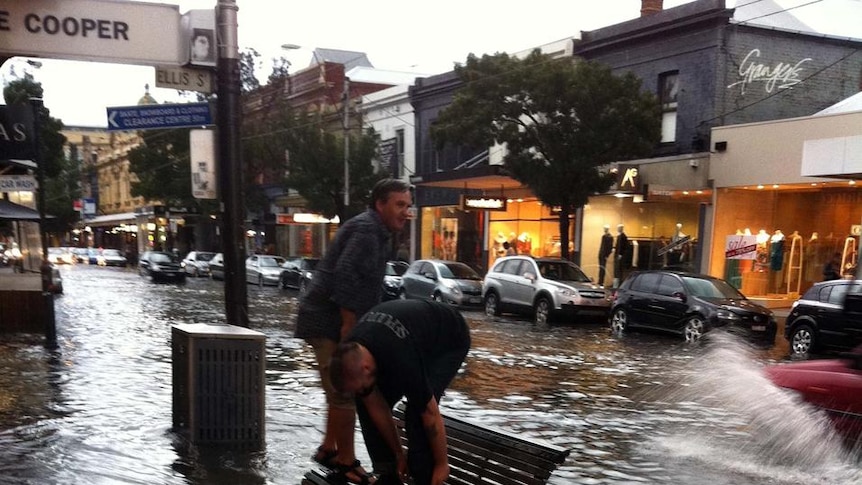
(387, 31)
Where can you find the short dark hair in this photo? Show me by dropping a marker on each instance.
(384, 187)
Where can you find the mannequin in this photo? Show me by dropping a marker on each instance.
(497, 248)
(605, 249)
(676, 255)
(620, 253)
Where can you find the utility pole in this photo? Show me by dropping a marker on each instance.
(346, 144)
(230, 164)
(45, 268)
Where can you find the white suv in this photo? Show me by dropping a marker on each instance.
(543, 287)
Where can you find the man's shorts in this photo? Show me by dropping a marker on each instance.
(323, 350)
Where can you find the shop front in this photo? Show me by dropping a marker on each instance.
(791, 187)
(652, 218)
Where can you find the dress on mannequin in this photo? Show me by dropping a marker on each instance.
(621, 250)
(606, 247)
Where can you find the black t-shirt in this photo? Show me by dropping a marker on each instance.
(405, 336)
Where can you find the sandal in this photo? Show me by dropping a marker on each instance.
(325, 458)
(341, 474)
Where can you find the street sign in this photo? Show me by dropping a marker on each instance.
(93, 30)
(157, 116)
(16, 132)
(184, 78)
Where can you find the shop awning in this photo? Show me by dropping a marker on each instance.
(112, 219)
(11, 211)
(491, 179)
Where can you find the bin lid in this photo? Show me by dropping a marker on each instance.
(205, 330)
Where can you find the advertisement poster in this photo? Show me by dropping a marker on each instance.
(740, 247)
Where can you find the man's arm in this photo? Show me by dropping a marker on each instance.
(381, 415)
(432, 421)
(348, 320)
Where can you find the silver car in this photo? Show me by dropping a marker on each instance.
(542, 287)
(263, 269)
(446, 281)
(197, 263)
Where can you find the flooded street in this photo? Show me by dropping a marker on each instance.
(639, 409)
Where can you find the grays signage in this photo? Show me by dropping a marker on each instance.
(93, 30)
(156, 116)
(16, 132)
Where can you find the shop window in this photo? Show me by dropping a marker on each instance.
(669, 89)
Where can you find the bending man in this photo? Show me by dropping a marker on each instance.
(403, 348)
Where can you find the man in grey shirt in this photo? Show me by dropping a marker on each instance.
(347, 282)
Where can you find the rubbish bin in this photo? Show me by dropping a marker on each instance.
(218, 384)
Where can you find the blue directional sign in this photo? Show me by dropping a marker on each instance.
(156, 116)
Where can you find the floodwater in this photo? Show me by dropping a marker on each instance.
(640, 409)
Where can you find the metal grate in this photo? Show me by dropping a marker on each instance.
(218, 381)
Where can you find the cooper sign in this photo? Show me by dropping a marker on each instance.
(93, 30)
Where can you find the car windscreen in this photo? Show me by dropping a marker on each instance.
(560, 271)
(710, 288)
(458, 271)
(111, 252)
(270, 262)
(204, 256)
(161, 258)
(396, 269)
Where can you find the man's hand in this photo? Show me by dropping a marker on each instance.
(440, 474)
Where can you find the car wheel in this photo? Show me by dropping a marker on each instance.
(619, 321)
(492, 304)
(303, 286)
(802, 340)
(694, 328)
(543, 311)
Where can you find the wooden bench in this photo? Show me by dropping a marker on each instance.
(481, 455)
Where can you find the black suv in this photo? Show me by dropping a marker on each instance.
(688, 304)
(828, 316)
(161, 266)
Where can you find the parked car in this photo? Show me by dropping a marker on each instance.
(216, 265)
(111, 257)
(93, 255)
(263, 269)
(446, 281)
(161, 266)
(392, 279)
(81, 255)
(60, 255)
(688, 304)
(297, 272)
(544, 288)
(197, 263)
(819, 321)
(832, 385)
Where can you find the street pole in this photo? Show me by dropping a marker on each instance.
(346, 145)
(230, 164)
(45, 269)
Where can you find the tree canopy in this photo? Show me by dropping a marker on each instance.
(161, 164)
(561, 122)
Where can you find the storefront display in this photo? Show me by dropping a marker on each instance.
(823, 225)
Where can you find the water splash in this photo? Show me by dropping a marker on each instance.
(773, 433)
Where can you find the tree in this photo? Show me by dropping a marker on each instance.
(316, 169)
(161, 164)
(561, 122)
(61, 175)
(248, 60)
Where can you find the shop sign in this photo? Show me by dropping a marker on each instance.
(469, 202)
(18, 183)
(16, 132)
(740, 247)
(303, 218)
(628, 179)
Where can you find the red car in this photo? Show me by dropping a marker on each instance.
(834, 385)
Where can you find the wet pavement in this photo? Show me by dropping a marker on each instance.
(643, 408)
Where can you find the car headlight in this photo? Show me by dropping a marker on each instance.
(155, 267)
(183, 264)
(567, 292)
(726, 315)
(452, 286)
(307, 275)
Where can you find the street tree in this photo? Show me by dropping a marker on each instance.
(315, 169)
(562, 122)
(62, 175)
(162, 168)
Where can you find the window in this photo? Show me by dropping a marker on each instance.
(669, 285)
(646, 282)
(669, 89)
